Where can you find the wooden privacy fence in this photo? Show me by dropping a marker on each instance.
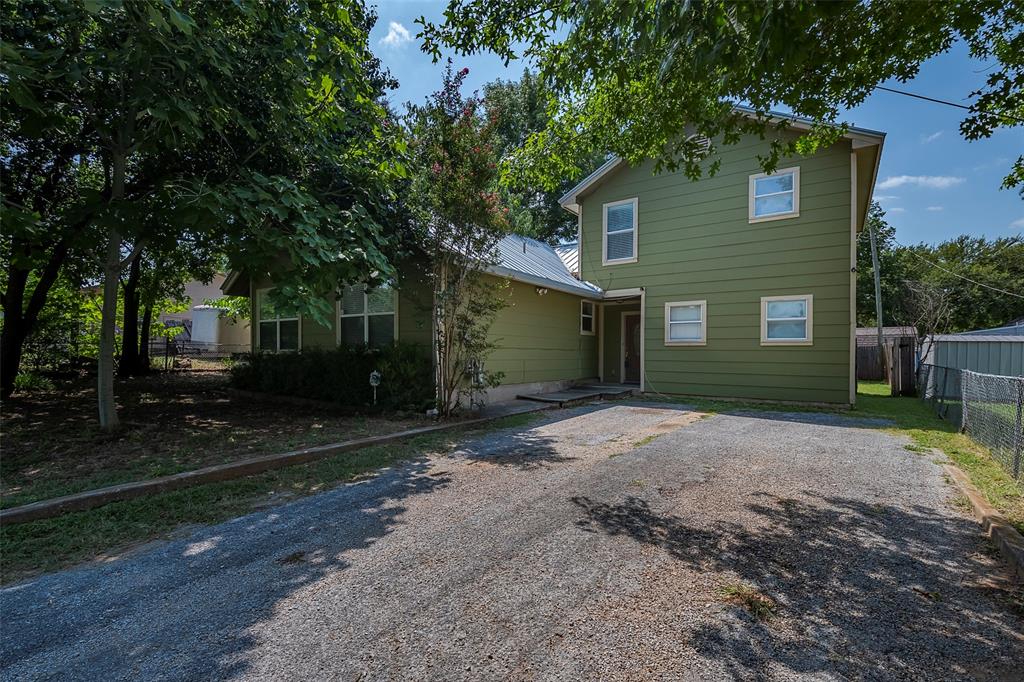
(899, 359)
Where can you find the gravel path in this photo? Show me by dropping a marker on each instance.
(593, 544)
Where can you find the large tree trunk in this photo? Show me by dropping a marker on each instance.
(129, 365)
(107, 408)
(108, 319)
(20, 317)
(147, 322)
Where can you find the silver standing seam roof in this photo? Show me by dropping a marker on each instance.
(534, 262)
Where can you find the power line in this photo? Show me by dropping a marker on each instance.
(956, 274)
(947, 103)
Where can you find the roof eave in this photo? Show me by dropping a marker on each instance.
(544, 282)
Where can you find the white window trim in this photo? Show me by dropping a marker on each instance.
(592, 316)
(703, 340)
(365, 314)
(808, 341)
(752, 184)
(604, 231)
(279, 320)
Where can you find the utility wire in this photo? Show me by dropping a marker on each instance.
(947, 103)
(956, 274)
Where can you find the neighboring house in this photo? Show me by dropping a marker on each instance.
(204, 325)
(739, 285)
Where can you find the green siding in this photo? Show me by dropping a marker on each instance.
(695, 242)
(538, 338)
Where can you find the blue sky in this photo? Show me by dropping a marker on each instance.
(933, 184)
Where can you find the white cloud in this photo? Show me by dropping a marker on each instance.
(397, 36)
(1017, 224)
(925, 139)
(929, 181)
(882, 198)
(935, 209)
(895, 209)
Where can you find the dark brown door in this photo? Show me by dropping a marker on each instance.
(631, 348)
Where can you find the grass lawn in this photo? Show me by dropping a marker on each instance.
(173, 422)
(109, 531)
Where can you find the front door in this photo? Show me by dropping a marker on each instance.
(631, 348)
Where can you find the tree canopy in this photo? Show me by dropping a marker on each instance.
(253, 127)
(658, 79)
(981, 280)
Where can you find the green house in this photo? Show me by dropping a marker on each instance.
(740, 285)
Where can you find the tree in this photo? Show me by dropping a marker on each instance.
(981, 280)
(519, 109)
(659, 79)
(458, 207)
(256, 126)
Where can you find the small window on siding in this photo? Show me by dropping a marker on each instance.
(620, 232)
(279, 325)
(366, 316)
(587, 317)
(787, 320)
(686, 323)
(775, 196)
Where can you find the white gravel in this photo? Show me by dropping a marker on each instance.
(590, 545)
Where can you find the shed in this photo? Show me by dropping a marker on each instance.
(869, 367)
(986, 353)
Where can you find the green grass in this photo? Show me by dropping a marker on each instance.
(759, 605)
(51, 544)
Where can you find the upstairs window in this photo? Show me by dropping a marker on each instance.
(620, 232)
(787, 320)
(685, 323)
(367, 316)
(279, 325)
(775, 196)
(587, 317)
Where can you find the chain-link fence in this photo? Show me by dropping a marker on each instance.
(992, 407)
(940, 387)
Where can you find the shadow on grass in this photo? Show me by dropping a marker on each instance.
(867, 591)
(184, 610)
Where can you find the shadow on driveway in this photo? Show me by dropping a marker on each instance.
(859, 586)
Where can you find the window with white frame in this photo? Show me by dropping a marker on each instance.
(587, 317)
(686, 323)
(620, 222)
(787, 320)
(279, 325)
(367, 316)
(775, 196)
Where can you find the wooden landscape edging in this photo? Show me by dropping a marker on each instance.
(90, 499)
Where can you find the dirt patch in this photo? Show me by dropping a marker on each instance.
(173, 422)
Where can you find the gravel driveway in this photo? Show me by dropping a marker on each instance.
(591, 545)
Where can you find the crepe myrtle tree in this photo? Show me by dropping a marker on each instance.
(650, 79)
(455, 195)
(253, 126)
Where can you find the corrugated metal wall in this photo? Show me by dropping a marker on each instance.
(1004, 356)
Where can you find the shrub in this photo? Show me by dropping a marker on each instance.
(342, 376)
(26, 382)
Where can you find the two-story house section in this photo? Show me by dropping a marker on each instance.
(739, 285)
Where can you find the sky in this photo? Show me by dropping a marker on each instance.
(933, 184)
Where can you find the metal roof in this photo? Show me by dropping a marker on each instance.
(570, 255)
(977, 338)
(534, 262)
